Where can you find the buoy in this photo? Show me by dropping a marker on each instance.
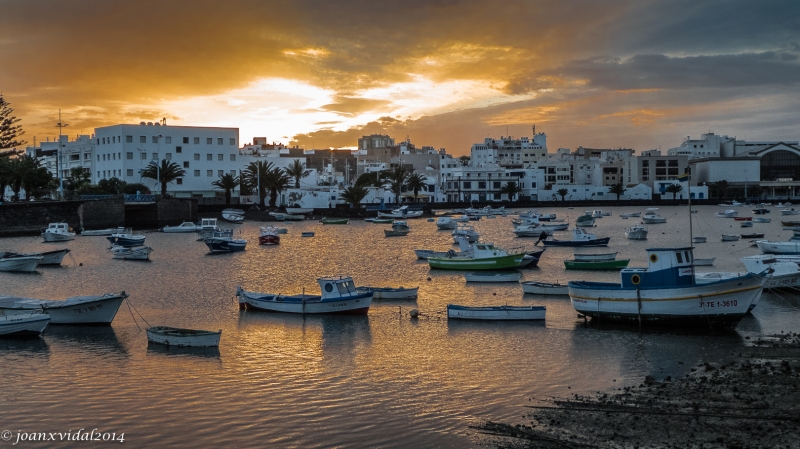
(80, 264)
(414, 313)
(429, 278)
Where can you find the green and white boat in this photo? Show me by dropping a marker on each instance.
(485, 256)
(340, 221)
(596, 264)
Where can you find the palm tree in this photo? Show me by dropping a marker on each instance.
(255, 175)
(164, 174)
(415, 182)
(354, 195)
(396, 177)
(26, 171)
(227, 182)
(464, 161)
(297, 171)
(277, 181)
(617, 189)
(563, 193)
(674, 189)
(511, 188)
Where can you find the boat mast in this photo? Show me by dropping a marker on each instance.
(691, 238)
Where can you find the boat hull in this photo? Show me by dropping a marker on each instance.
(131, 253)
(21, 264)
(52, 237)
(492, 277)
(716, 304)
(544, 288)
(23, 325)
(768, 247)
(269, 239)
(171, 336)
(596, 265)
(496, 313)
(638, 234)
(468, 263)
(307, 304)
(84, 310)
(126, 241)
(594, 242)
(225, 246)
(53, 257)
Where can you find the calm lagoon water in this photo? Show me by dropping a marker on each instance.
(382, 380)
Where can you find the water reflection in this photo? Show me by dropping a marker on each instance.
(85, 338)
(159, 350)
(32, 346)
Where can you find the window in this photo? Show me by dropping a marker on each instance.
(219, 141)
(680, 258)
(197, 156)
(104, 157)
(168, 139)
(179, 150)
(98, 157)
(233, 172)
(197, 172)
(129, 139)
(496, 184)
(197, 141)
(209, 140)
(144, 155)
(220, 157)
(98, 173)
(129, 155)
(179, 181)
(220, 172)
(74, 157)
(129, 172)
(185, 140)
(233, 141)
(209, 173)
(209, 157)
(233, 157)
(142, 139)
(185, 164)
(155, 139)
(155, 156)
(169, 156)
(467, 184)
(482, 185)
(87, 157)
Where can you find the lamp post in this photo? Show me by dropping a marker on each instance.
(60, 125)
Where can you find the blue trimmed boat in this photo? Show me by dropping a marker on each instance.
(339, 296)
(496, 313)
(223, 242)
(579, 238)
(666, 293)
(125, 237)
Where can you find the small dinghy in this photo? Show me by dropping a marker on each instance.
(390, 292)
(544, 288)
(495, 313)
(513, 276)
(175, 336)
(27, 325)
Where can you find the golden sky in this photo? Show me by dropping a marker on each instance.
(445, 73)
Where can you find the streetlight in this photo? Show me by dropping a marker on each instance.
(60, 125)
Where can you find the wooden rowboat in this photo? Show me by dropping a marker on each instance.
(175, 336)
(495, 313)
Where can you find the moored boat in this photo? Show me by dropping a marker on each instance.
(99, 309)
(585, 257)
(599, 265)
(334, 221)
(585, 221)
(492, 313)
(186, 226)
(771, 247)
(338, 296)
(443, 223)
(752, 235)
(307, 234)
(97, 232)
(761, 220)
(268, 235)
(485, 256)
(729, 213)
(223, 242)
(399, 228)
(513, 276)
(29, 324)
(390, 292)
(467, 232)
(126, 237)
(636, 232)
(58, 232)
(233, 215)
(579, 238)
(297, 210)
(743, 218)
(401, 212)
(207, 227)
(631, 215)
(175, 336)
(730, 237)
(20, 263)
(651, 217)
(665, 293)
(544, 288)
(131, 252)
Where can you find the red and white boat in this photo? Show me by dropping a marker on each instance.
(743, 218)
(269, 236)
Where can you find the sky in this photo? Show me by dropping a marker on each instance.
(445, 73)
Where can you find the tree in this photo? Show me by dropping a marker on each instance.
(227, 182)
(511, 188)
(5, 174)
(277, 181)
(78, 180)
(396, 177)
(256, 176)
(370, 180)
(114, 186)
(415, 182)
(674, 189)
(354, 195)
(297, 171)
(166, 173)
(464, 161)
(563, 193)
(26, 171)
(9, 130)
(133, 188)
(617, 189)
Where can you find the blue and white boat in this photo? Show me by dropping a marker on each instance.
(339, 296)
(223, 242)
(126, 237)
(666, 293)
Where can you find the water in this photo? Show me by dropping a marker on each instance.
(382, 380)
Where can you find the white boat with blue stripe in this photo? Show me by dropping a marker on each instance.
(666, 293)
(339, 296)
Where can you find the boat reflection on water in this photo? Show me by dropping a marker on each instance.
(158, 350)
(34, 347)
(94, 339)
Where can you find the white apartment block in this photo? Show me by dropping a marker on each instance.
(711, 145)
(205, 153)
(60, 158)
(509, 152)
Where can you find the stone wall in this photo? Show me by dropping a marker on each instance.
(29, 218)
(102, 214)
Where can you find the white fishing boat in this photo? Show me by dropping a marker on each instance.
(484, 256)
(780, 273)
(631, 215)
(594, 213)
(730, 237)
(512, 276)
(390, 292)
(186, 226)
(338, 296)
(544, 288)
(401, 212)
(468, 232)
(19, 263)
(175, 336)
(58, 232)
(651, 217)
(207, 227)
(443, 223)
(126, 237)
(729, 213)
(585, 221)
(223, 242)
(771, 247)
(665, 293)
(579, 238)
(733, 203)
(54, 257)
(597, 257)
(297, 210)
(636, 232)
(268, 235)
(761, 220)
(131, 252)
(532, 230)
(791, 211)
(399, 228)
(23, 325)
(97, 232)
(232, 217)
(99, 309)
(496, 313)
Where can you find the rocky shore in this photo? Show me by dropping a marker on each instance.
(751, 402)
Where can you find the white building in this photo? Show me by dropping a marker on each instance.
(509, 152)
(205, 153)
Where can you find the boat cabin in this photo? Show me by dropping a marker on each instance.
(579, 234)
(337, 287)
(667, 267)
(208, 223)
(58, 228)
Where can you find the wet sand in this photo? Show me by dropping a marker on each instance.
(750, 402)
